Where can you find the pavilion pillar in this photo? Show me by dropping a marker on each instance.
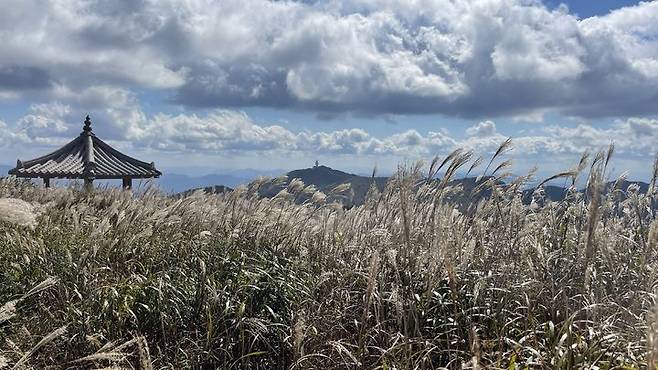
(127, 183)
(89, 184)
(46, 182)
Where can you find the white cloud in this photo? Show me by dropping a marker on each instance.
(482, 129)
(5, 134)
(635, 136)
(45, 122)
(233, 134)
(464, 58)
(228, 131)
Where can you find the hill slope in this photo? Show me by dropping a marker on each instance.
(325, 179)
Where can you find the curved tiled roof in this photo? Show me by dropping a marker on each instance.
(86, 157)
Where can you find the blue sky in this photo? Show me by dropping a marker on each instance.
(590, 8)
(353, 83)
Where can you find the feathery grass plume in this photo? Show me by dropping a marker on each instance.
(113, 353)
(282, 195)
(258, 183)
(373, 272)
(567, 174)
(295, 186)
(504, 147)
(652, 243)
(280, 180)
(298, 334)
(594, 190)
(459, 159)
(340, 189)
(144, 354)
(46, 284)
(608, 156)
(582, 164)
(477, 162)
(503, 165)
(45, 340)
(112, 357)
(433, 168)
(654, 176)
(450, 157)
(9, 309)
(318, 198)
(310, 189)
(17, 212)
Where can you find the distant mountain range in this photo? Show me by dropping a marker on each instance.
(326, 179)
(175, 183)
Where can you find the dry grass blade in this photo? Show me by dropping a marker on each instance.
(455, 153)
(42, 286)
(432, 171)
(608, 156)
(103, 356)
(504, 165)
(144, 354)
(339, 189)
(504, 147)
(474, 165)
(344, 352)
(654, 176)
(569, 174)
(9, 309)
(47, 339)
(594, 190)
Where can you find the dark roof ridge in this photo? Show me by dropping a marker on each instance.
(87, 157)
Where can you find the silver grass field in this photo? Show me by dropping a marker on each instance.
(424, 275)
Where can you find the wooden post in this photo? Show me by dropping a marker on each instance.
(127, 183)
(89, 184)
(46, 182)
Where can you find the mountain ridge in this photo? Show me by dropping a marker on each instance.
(325, 179)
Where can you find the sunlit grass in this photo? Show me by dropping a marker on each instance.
(408, 280)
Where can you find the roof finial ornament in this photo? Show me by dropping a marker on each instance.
(87, 128)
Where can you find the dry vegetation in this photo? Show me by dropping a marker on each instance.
(112, 280)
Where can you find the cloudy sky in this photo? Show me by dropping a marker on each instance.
(262, 84)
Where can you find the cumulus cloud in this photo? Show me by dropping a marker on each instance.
(235, 132)
(45, 122)
(230, 131)
(5, 134)
(476, 58)
(633, 136)
(482, 129)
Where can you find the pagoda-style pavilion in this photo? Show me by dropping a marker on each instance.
(89, 158)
